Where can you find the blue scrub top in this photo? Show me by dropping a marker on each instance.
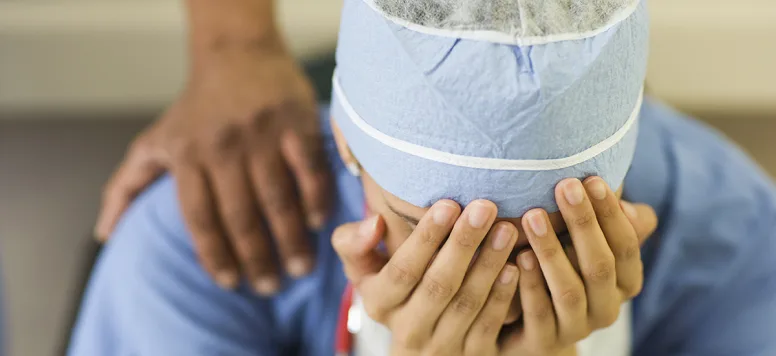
(710, 268)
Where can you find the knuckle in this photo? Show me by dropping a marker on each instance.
(467, 303)
(438, 350)
(182, 149)
(539, 312)
(408, 338)
(212, 257)
(202, 220)
(572, 298)
(260, 119)
(278, 201)
(631, 252)
(535, 286)
(438, 291)
(489, 262)
(633, 288)
(488, 325)
(606, 212)
(429, 236)
(607, 317)
(467, 239)
(253, 260)
(242, 222)
(585, 220)
(547, 253)
(375, 311)
(600, 271)
(577, 333)
(502, 295)
(212, 262)
(473, 348)
(224, 139)
(400, 275)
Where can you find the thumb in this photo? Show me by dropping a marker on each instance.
(356, 244)
(642, 217)
(138, 170)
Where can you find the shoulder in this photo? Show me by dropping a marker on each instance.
(149, 295)
(693, 173)
(712, 252)
(704, 180)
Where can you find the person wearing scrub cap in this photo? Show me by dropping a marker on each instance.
(470, 143)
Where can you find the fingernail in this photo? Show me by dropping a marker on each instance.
(367, 227)
(298, 266)
(442, 214)
(629, 209)
(354, 168)
(316, 220)
(266, 285)
(508, 274)
(596, 189)
(527, 260)
(503, 237)
(226, 279)
(536, 222)
(573, 191)
(478, 215)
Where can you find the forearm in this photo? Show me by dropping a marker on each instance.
(216, 25)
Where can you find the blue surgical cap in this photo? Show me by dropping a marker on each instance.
(433, 113)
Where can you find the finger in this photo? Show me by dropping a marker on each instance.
(622, 240)
(199, 210)
(643, 218)
(356, 244)
(241, 219)
(279, 202)
(470, 298)
(539, 331)
(572, 256)
(401, 274)
(137, 171)
(515, 310)
(566, 288)
(444, 276)
(306, 157)
(596, 260)
(484, 331)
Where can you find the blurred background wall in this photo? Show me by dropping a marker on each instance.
(79, 78)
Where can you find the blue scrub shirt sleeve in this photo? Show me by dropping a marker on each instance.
(740, 316)
(148, 295)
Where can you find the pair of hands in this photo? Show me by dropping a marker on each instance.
(449, 287)
(243, 143)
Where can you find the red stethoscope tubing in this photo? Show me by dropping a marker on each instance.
(343, 344)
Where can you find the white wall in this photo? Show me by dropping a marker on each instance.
(706, 54)
(95, 54)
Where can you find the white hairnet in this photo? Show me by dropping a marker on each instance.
(507, 21)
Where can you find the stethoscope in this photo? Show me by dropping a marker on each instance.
(343, 342)
(347, 318)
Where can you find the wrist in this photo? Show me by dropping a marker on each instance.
(226, 27)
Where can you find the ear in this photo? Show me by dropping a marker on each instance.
(344, 150)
